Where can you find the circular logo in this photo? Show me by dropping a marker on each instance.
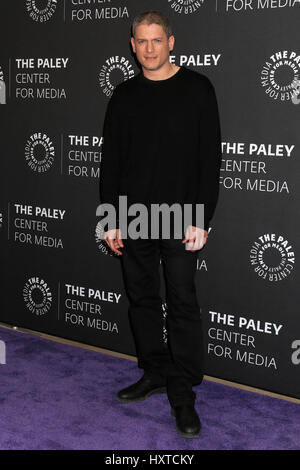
(102, 245)
(115, 70)
(186, 6)
(272, 257)
(41, 10)
(279, 75)
(37, 296)
(39, 152)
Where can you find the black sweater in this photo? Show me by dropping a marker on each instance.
(162, 142)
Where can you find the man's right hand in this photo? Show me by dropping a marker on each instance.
(114, 240)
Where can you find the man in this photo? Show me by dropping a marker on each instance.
(162, 144)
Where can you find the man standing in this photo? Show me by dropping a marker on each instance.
(162, 144)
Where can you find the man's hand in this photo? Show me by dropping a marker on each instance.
(114, 240)
(196, 238)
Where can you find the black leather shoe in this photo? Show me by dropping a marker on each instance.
(187, 420)
(141, 390)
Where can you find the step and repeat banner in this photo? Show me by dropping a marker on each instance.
(59, 63)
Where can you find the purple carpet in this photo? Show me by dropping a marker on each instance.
(56, 396)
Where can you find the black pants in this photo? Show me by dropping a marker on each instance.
(180, 363)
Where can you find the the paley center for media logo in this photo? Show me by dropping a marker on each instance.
(39, 152)
(280, 76)
(272, 257)
(41, 11)
(185, 7)
(37, 295)
(113, 68)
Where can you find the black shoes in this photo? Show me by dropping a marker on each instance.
(187, 420)
(141, 390)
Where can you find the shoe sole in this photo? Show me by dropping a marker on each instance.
(132, 400)
(184, 434)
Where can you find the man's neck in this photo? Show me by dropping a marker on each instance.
(162, 73)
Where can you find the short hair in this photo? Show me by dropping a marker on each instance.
(150, 17)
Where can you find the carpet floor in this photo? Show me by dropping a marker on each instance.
(58, 396)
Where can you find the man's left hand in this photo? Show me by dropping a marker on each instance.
(195, 238)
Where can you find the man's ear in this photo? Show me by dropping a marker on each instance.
(171, 42)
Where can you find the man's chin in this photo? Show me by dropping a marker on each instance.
(148, 66)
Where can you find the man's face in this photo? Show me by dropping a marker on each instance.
(151, 45)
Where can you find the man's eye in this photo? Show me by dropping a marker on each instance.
(141, 40)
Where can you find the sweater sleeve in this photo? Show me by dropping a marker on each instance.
(210, 154)
(110, 169)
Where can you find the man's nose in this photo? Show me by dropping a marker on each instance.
(149, 46)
